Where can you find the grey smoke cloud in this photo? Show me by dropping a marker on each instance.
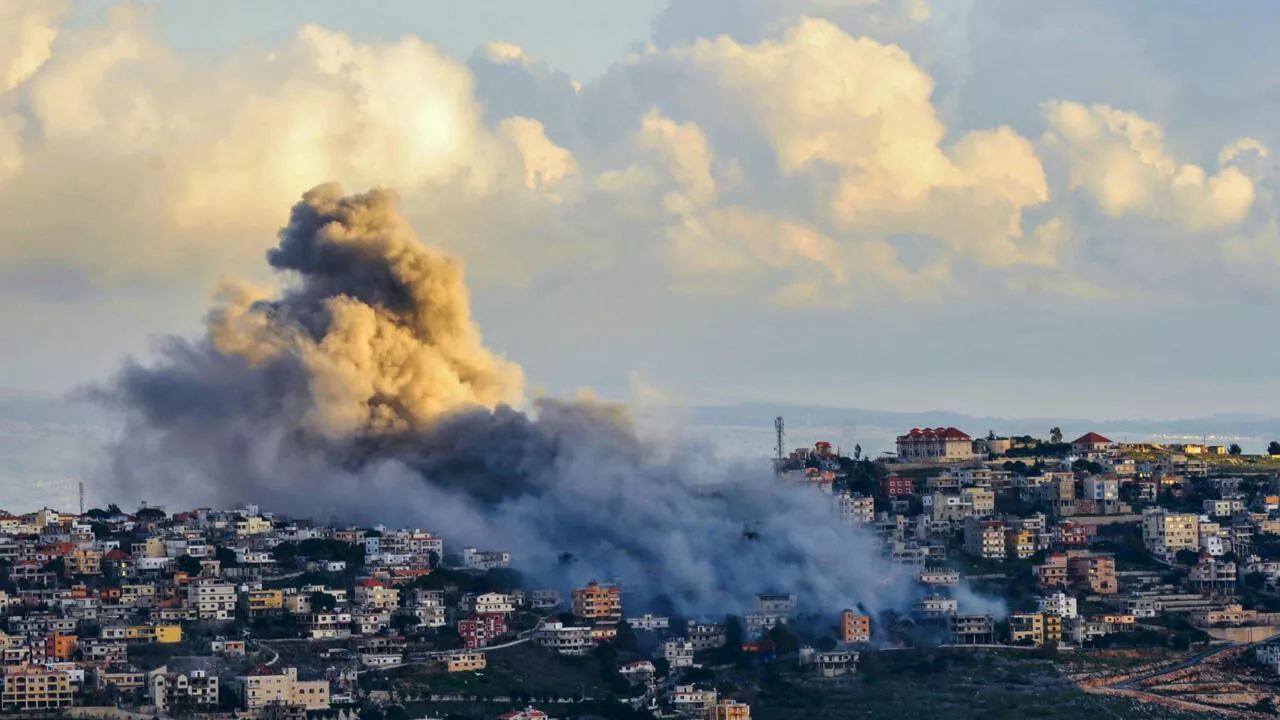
(363, 394)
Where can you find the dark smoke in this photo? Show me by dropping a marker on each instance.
(363, 393)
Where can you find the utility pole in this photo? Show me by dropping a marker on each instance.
(778, 428)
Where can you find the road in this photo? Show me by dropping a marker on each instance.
(1189, 662)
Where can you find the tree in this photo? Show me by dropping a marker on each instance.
(189, 565)
(226, 557)
(57, 566)
(1187, 557)
(323, 602)
(1234, 449)
(1273, 448)
(857, 452)
(402, 623)
(150, 514)
(1055, 435)
(285, 554)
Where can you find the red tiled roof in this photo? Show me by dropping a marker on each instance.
(1091, 438)
(945, 433)
(260, 670)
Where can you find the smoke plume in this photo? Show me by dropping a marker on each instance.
(363, 393)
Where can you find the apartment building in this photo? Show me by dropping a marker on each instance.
(649, 622)
(598, 603)
(691, 700)
(985, 539)
(1092, 572)
(564, 639)
(1020, 544)
(679, 653)
(263, 686)
(706, 636)
(29, 688)
(731, 710)
(1026, 629)
(373, 594)
(212, 599)
(1053, 573)
(1165, 533)
(1059, 603)
(934, 445)
(855, 509)
(972, 629)
(465, 662)
(856, 627)
(481, 630)
(195, 691)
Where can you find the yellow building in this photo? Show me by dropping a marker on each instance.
(1026, 628)
(1020, 544)
(28, 687)
(466, 662)
(168, 634)
(1052, 628)
(731, 710)
(264, 686)
(596, 602)
(265, 601)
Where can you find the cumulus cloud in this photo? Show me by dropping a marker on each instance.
(27, 32)
(1120, 159)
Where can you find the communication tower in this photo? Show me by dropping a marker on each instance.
(778, 427)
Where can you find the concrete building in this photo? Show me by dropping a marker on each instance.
(856, 627)
(984, 539)
(1165, 533)
(679, 653)
(196, 691)
(731, 710)
(564, 639)
(29, 688)
(264, 686)
(706, 636)
(1026, 629)
(935, 445)
(973, 629)
(1059, 603)
(598, 603)
(212, 599)
(855, 509)
(1095, 573)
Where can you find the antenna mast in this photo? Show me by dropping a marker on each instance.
(778, 427)
(82, 498)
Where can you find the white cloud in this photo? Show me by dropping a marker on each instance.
(27, 31)
(1120, 159)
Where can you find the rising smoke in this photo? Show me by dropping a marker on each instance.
(363, 393)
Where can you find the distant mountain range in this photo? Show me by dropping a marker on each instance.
(47, 443)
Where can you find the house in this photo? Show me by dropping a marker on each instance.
(940, 577)
(691, 700)
(706, 636)
(465, 662)
(493, 604)
(474, 559)
(638, 671)
(934, 607)
(372, 593)
(836, 663)
(678, 653)
(481, 630)
(934, 445)
(1091, 443)
(192, 692)
(564, 639)
(648, 622)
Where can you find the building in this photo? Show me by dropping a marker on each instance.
(1053, 573)
(479, 631)
(1101, 489)
(1165, 533)
(465, 662)
(212, 599)
(1059, 603)
(264, 686)
(984, 539)
(1094, 573)
(856, 627)
(896, 486)
(192, 692)
(564, 639)
(691, 700)
(935, 445)
(973, 629)
(32, 688)
(1229, 615)
(373, 594)
(836, 663)
(678, 653)
(493, 604)
(1026, 629)
(1211, 574)
(648, 622)
(935, 607)
(1091, 444)
(474, 559)
(940, 577)
(598, 603)
(529, 713)
(706, 636)
(855, 509)
(1020, 543)
(981, 502)
(731, 710)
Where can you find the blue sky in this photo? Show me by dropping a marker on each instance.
(1004, 207)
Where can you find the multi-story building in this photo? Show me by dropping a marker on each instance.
(371, 593)
(1165, 533)
(1101, 489)
(935, 445)
(1053, 573)
(690, 700)
(1059, 603)
(212, 599)
(982, 502)
(940, 577)
(598, 603)
(973, 629)
(465, 662)
(479, 631)
(493, 604)
(856, 627)
(193, 692)
(1020, 544)
(935, 607)
(731, 710)
(1026, 629)
(564, 639)
(706, 636)
(264, 686)
(896, 486)
(984, 539)
(1093, 572)
(855, 509)
(649, 622)
(29, 688)
(1211, 574)
(678, 653)
(484, 560)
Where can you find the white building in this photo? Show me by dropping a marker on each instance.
(679, 653)
(474, 559)
(212, 600)
(855, 509)
(1165, 533)
(649, 622)
(564, 639)
(1059, 603)
(498, 603)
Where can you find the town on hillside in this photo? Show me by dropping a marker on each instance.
(1118, 572)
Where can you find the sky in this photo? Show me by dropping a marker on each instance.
(998, 207)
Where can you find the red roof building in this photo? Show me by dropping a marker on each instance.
(943, 444)
(1091, 443)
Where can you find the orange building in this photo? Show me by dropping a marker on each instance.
(857, 628)
(598, 603)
